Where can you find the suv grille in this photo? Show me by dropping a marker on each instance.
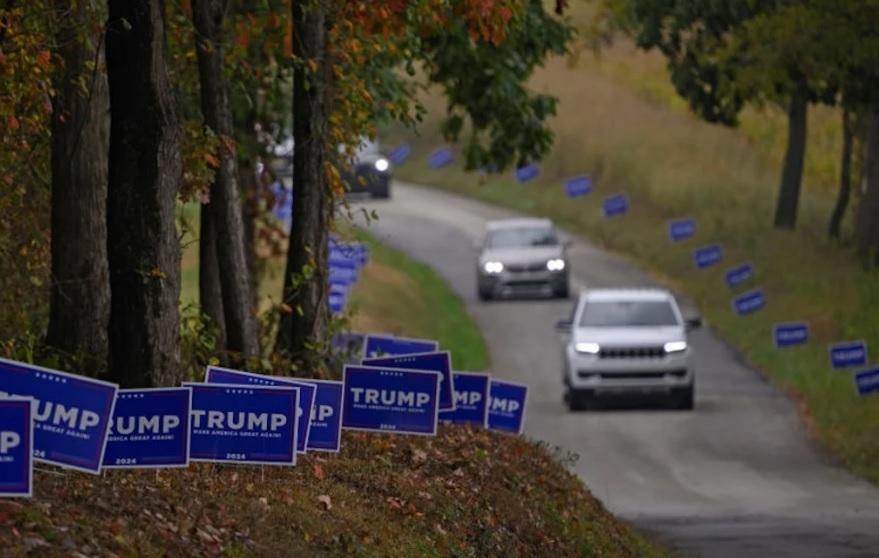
(539, 266)
(632, 352)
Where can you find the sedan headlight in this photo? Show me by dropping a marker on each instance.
(493, 267)
(556, 264)
(381, 165)
(675, 346)
(587, 348)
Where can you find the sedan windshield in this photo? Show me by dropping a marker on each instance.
(514, 238)
(628, 313)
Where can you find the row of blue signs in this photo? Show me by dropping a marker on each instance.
(235, 416)
(346, 259)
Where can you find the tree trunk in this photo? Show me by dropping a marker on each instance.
(80, 300)
(867, 227)
(792, 173)
(305, 280)
(224, 208)
(249, 188)
(145, 175)
(210, 294)
(845, 175)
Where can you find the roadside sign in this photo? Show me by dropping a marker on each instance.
(615, 205)
(707, 256)
(440, 362)
(150, 429)
(681, 229)
(400, 154)
(790, 334)
(16, 447)
(243, 424)
(506, 406)
(749, 302)
(471, 400)
(578, 186)
(72, 413)
(219, 375)
(867, 382)
(381, 345)
(738, 275)
(382, 399)
(441, 157)
(848, 354)
(326, 416)
(342, 276)
(336, 300)
(527, 173)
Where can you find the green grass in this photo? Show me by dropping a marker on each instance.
(672, 165)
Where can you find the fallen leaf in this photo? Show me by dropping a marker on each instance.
(318, 471)
(325, 500)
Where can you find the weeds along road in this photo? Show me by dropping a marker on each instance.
(736, 477)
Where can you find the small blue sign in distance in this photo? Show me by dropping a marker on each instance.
(439, 361)
(388, 345)
(791, 334)
(342, 276)
(16, 447)
(400, 154)
(707, 256)
(243, 424)
(326, 416)
(219, 375)
(681, 229)
(867, 382)
(378, 399)
(441, 157)
(72, 413)
(848, 354)
(506, 406)
(578, 186)
(749, 302)
(738, 275)
(336, 301)
(471, 400)
(150, 429)
(527, 173)
(615, 205)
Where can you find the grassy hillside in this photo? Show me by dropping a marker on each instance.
(631, 137)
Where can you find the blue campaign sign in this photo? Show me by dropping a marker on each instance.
(344, 258)
(867, 382)
(342, 275)
(381, 345)
(790, 334)
(72, 413)
(16, 447)
(380, 399)
(471, 400)
(578, 186)
(336, 301)
(527, 173)
(243, 424)
(439, 361)
(150, 429)
(707, 256)
(848, 354)
(441, 157)
(506, 406)
(218, 375)
(681, 229)
(738, 275)
(400, 154)
(326, 416)
(615, 205)
(749, 302)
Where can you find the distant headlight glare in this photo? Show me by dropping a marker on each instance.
(557, 264)
(493, 267)
(381, 165)
(675, 346)
(587, 348)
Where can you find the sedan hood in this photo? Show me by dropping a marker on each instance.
(629, 336)
(521, 255)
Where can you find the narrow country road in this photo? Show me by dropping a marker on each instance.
(737, 477)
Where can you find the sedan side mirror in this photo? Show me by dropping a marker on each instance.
(693, 323)
(564, 326)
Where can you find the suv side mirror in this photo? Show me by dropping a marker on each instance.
(693, 323)
(564, 326)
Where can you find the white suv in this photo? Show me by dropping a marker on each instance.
(627, 342)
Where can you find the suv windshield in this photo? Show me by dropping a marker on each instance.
(628, 313)
(514, 238)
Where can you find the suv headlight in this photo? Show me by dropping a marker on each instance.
(587, 348)
(555, 264)
(493, 267)
(675, 346)
(381, 165)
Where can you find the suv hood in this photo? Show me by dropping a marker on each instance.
(522, 254)
(629, 336)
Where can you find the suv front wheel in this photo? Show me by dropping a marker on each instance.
(682, 399)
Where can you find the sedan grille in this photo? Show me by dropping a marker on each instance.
(514, 268)
(632, 352)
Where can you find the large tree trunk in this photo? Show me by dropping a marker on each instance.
(80, 300)
(224, 208)
(305, 281)
(792, 173)
(210, 294)
(867, 228)
(145, 176)
(845, 175)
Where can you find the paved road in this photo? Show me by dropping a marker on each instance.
(737, 477)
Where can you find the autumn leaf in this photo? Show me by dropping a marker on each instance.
(44, 57)
(12, 123)
(325, 500)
